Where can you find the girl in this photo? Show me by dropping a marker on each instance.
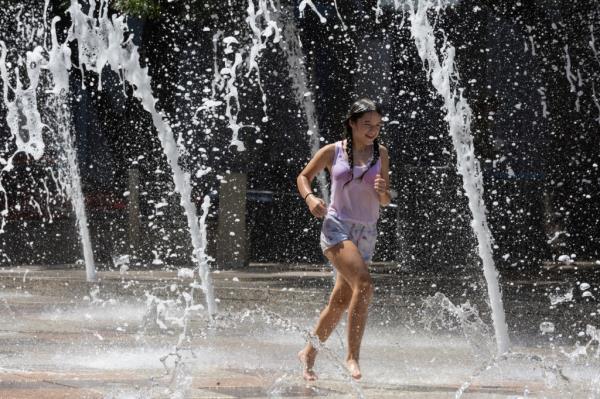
(359, 170)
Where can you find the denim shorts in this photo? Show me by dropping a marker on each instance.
(364, 236)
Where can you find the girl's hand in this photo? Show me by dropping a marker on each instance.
(316, 206)
(380, 185)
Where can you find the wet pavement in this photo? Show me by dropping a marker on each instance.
(62, 337)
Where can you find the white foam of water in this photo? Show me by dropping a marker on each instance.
(458, 116)
(592, 44)
(26, 127)
(572, 78)
(390, 356)
(14, 294)
(388, 359)
(258, 43)
(110, 312)
(297, 71)
(143, 358)
(263, 27)
(58, 107)
(23, 117)
(596, 101)
(557, 298)
(229, 75)
(542, 91)
(344, 26)
(303, 5)
(59, 61)
(101, 42)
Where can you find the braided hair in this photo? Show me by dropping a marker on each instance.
(358, 109)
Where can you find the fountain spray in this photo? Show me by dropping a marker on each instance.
(459, 119)
(101, 42)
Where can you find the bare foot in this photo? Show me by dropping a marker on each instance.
(354, 369)
(307, 358)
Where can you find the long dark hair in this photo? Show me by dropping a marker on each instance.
(358, 109)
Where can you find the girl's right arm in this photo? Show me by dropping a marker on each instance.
(322, 159)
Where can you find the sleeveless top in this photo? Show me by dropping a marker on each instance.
(356, 201)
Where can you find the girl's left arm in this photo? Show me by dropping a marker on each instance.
(384, 187)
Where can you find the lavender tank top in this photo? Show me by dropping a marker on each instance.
(356, 201)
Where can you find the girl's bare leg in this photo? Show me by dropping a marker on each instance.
(352, 268)
(330, 316)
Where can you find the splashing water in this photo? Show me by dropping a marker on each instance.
(101, 42)
(22, 116)
(302, 7)
(459, 118)
(26, 128)
(304, 97)
(59, 63)
(122, 57)
(262, 25)
(169, 315)
(438, 312)
(58, 106)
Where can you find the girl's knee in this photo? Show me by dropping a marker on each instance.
(364, 284)
(336, 307)
(343, 302)
(340, 302)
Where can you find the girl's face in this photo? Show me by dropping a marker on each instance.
(366, 128)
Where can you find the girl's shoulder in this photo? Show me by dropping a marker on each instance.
(332, 148)
(332, 145)
(327, 152)
(383, 150)
(329, 148)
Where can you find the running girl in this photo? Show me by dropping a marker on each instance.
(359, 170)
